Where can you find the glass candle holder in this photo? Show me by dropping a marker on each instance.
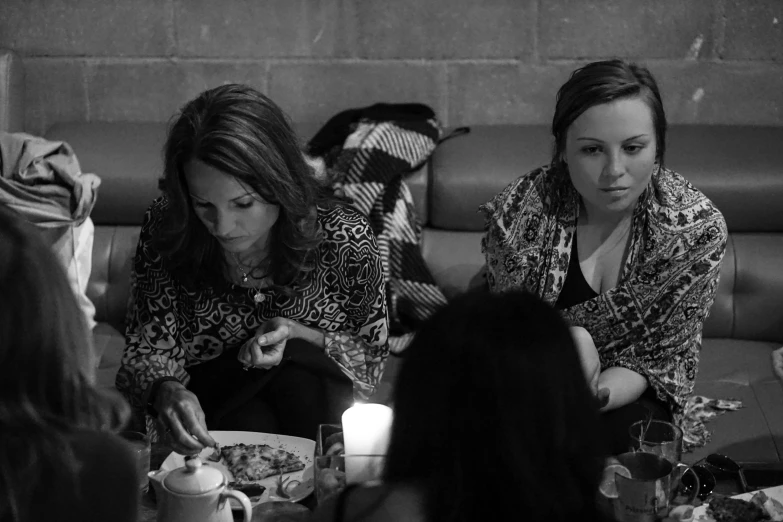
(331, 477)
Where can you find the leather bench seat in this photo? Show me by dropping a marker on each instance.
(739, 369)
(108, 343)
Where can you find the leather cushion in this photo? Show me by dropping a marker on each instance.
(468, 170)
(744, 434)
(741, 369)
(418, 183)
(128, 157)
(109, 344)
(738, 167)
(720, 322)
(736, 361)
(758, 290)
(454, 258)
(109, 286)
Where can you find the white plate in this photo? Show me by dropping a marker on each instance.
(700, 513)
(302, 448)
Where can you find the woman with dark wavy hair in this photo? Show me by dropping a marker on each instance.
(255, 289)
(58, 457)
(493, 420)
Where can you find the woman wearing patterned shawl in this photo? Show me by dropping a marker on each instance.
(257, 293)
(628, 250)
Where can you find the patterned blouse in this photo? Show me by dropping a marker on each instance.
(651, 322)
(170, 327)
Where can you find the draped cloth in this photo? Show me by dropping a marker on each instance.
(43, 182)
(651, 322)
(369, 152)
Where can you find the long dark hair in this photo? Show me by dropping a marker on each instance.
(47, 370)
(604, 82)
(493, 415)
(240, 132)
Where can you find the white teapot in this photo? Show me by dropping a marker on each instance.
(196, 492)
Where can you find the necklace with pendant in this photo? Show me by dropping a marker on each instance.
(258, 297)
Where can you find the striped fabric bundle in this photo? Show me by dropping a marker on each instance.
(368, 152)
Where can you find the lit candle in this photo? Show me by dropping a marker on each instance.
(366, 429)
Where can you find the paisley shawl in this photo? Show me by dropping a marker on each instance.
(651, 322)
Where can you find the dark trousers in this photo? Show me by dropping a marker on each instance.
(305, 390)
(616, 423)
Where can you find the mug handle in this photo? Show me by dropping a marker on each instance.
(242, 498)
(695, 493)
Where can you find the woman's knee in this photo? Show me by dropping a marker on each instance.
(295, 377)
(254, 415)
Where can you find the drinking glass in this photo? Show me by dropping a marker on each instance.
(645, 492)
(140, 444)
(361, 469)
(331, 475)
(329, 435)
(659, 437)
(329, 468)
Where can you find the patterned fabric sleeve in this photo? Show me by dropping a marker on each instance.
(514, 232)
(498, 212)
(151, 350)
(361, 351)
(667, 354)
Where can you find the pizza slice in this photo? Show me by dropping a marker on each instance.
(726, 509)
(252, 462)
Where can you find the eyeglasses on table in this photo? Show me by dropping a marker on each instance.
(710, 469)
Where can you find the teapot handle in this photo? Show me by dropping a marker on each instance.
(242, 499)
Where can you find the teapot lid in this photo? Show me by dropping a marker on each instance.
(194, 478)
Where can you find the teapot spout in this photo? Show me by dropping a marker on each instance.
(156, 479)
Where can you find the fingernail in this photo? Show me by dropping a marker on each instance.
(262, 340)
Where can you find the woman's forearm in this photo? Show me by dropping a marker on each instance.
(624, 385)
(312, 335)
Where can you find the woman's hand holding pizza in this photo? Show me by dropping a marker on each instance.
(181, 420)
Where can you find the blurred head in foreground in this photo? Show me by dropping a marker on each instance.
(47, 368)
(493, 415)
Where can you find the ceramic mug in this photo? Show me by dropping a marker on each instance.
(645, 496)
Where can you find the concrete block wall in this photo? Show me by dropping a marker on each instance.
(473, 61)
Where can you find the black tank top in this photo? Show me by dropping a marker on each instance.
(575, 289)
